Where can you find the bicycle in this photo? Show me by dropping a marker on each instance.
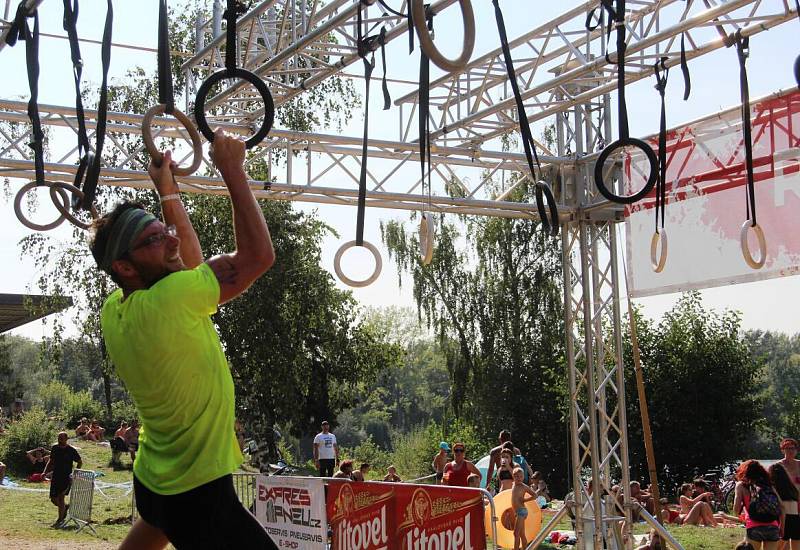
(722, 488)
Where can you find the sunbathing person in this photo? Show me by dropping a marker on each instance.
(695, 511)
(123, 427)
(83, 429)
(96, 432)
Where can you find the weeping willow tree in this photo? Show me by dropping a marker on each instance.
(493, 294)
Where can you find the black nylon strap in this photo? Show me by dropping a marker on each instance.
(387, 98)
(233, 10)
(20, 30)
(687, 79)
(166, 95)
(525, 127)
(661, 72)
(622, 106)
(549, 224)
(70, 25)
(93, 172)
(409, 20)
(743, 52)
(424, 125)
(364, 51)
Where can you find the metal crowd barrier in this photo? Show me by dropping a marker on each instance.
(80, 500)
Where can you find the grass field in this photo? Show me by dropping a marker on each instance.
(25, 517)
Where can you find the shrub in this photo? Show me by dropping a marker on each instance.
(32, 430)
(414, 451)
(52, 396)
(368, 451)
(122, 410)
(79, 405)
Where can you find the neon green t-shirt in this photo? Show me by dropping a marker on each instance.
(167, 352)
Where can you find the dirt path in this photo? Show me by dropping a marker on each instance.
(24, 544)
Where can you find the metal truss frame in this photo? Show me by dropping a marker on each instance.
(567, 74)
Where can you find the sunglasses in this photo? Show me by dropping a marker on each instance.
(458, 450)
(157, 238)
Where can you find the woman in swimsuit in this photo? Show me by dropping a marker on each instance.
(695, 511)
(505, 478)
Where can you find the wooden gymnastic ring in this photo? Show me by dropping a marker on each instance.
(544, 193)
(258, 84)
(426, 43)
(35, 226)
(659, 261)
(762, 245)
(158, 156)
(605, 153)
(350, 282)
(426, 234)
(57, 186)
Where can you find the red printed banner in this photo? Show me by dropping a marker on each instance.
(362, 516)
(438, 517)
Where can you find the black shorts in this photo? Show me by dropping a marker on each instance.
(791, 527)
(60, 486)
(209, 517)
(765, 533)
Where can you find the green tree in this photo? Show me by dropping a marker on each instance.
(21, 368)
(780, 355)
(701, 391)
(493, 296)
(413, 392)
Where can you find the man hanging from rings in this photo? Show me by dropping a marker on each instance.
(159, 335)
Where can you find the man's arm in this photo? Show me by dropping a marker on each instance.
(336, 451)
(474, 469)
(316, 453)
(494, 456)
(174, 212)
(254, 254)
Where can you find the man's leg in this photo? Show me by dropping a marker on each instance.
(54, 500)
(144, 536)
(62, 508)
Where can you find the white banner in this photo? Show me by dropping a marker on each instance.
(292, 510)
(706, 188)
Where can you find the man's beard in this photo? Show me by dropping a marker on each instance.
(149, 280)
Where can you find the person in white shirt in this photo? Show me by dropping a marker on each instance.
(326, 451)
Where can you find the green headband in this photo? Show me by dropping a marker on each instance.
(126, 229)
